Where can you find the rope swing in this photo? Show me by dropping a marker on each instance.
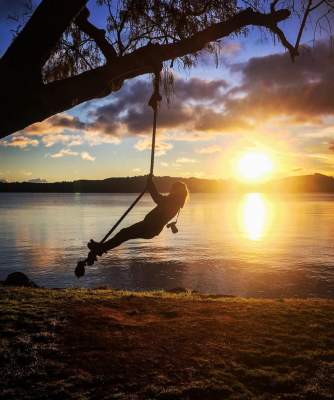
(154, 103)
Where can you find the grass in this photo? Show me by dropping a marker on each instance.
(103, 344)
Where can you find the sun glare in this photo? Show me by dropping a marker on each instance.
(254, 216)
(254, 166)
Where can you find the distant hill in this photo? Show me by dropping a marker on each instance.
(303, 184)
(114, 185)
(295, 184)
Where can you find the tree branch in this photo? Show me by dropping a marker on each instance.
(273, 5)
(100, 81)
(293, 50)
(302, 26)
(96, 34)
(58, 96)
(317, 5)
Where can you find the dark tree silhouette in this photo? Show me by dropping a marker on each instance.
(60, 59)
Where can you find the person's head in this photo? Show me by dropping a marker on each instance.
(179, 192)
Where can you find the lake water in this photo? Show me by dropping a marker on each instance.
(248, 245)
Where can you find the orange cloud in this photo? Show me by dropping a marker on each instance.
(55, 124)
(19, 141)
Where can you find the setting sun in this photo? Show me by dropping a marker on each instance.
(254, 166)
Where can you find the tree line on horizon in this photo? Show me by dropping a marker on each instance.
(316, 183)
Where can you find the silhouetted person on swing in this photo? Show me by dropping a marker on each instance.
(168, 206)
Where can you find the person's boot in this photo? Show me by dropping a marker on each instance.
(91, 258)
(80, 269)
(96, 248)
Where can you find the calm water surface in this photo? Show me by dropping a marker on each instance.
(248, 245)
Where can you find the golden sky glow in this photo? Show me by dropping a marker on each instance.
(254, 166)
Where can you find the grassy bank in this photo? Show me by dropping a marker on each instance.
(101, 344)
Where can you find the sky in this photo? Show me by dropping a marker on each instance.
(255, 102)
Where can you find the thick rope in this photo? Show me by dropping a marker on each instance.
(154, 103)
(155, 111)
(124, 215)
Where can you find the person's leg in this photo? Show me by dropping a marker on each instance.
(136, 231)
(140, 230)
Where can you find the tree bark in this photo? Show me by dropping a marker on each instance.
(25, 100)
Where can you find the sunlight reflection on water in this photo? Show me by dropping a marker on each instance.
(250, 245)
(254, 215)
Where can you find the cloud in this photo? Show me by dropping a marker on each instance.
(96, 138)
(127, 114)
(160, 147)
(199, 89)
(232, 47)
(185, 160)
(86, 156)
(64, 153)
(195, 113)
(274, 87)
(70, 153)
(209, 149)
(70, 131)
(274, 95)
(19, 141)
(75, 141)
(56, 138)
(55, 124)
(58, 129)
(37, 180)
(228, 51)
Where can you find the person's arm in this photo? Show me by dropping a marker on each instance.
(156, 196)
